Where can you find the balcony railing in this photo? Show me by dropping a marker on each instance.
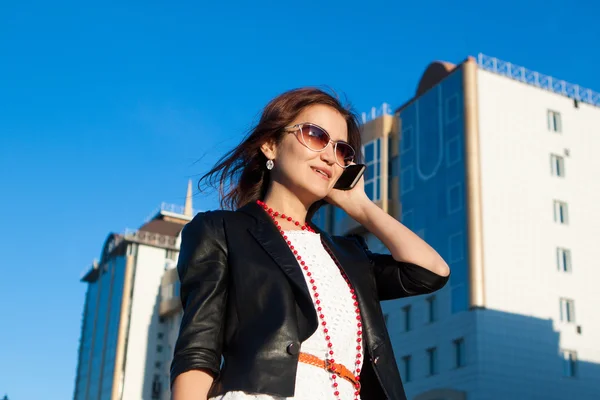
(172, 208)
(150, 238)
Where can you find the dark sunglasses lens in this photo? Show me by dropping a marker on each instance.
(315, 138)
(344, 154)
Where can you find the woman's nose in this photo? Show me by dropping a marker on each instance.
(328, 155)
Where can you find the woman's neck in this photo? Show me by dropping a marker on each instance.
(280, 199)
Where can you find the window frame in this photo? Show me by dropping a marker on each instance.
(564, 261)
(406, 365)
(375, 164)
(455, 141)
(460, 359)
(452, 117)
(408, 131)
(431, 309)
(567, 311)
(561, 212)
(459, 205)
(557, 165)
(432, 361)
(554, 121)
(406, 317)
(569, 363)
(407, 180)
(460, 254)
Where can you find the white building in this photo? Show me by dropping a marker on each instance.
(125, 347)
(496, 167)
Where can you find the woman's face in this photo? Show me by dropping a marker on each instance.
(309, 174)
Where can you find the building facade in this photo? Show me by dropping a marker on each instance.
(493, 165)
(128, 322)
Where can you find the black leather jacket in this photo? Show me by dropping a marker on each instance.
(245, 299)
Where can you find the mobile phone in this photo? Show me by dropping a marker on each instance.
(350, 177)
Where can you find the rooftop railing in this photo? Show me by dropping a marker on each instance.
(538, 79)
(376, 112)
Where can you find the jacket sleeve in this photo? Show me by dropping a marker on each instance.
(203, 274)
(396, 279)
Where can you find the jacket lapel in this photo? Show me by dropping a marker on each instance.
(269, 238)
(346, 261)
(267, 235)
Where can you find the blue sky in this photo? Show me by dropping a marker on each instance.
(108, 109)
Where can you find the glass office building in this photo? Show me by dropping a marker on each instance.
(131, 311)
(102, 314)
(432, 177)
(492, 164)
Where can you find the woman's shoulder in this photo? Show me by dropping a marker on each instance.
(210, 216)
(215, 221)
(206, 221)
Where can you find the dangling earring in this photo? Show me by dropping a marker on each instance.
(270, 164)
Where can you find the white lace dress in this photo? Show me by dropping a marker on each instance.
(338, 307)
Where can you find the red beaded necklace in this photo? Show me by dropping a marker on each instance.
(306, 270)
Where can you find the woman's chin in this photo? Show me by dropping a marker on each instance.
(320, 193)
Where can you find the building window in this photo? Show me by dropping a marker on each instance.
(563, 258)
(561, 212)
(454, 202)
(452, 110)
(372, 152)
(156, 388)
(159, 349)
(554, 121)
(567, 310)
(431, 309)
(569, 363)
(406, 375)
(158, 364)
(459, 353)
(455, 247)
(392, 172)
(453, 153)
(408, 219)
(132, 249)
(406, 317)
(459, 297)
(406, 140)
(557, 165)
(407, 180)
(432, 361)
(171, 255)
(166, 291)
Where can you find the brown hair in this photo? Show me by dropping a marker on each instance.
(241, 175)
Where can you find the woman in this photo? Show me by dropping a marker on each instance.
(273, 307)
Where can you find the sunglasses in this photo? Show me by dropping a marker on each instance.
(317, 139)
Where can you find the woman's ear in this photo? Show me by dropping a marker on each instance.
(269, 149)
